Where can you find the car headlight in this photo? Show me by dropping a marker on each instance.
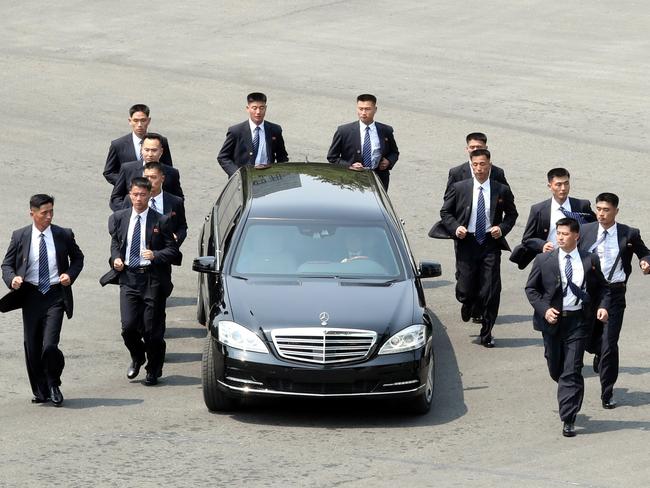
(234, 335)
(408, 339)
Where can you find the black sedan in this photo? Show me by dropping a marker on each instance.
(309, 289)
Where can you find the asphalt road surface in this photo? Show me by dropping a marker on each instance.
(551, 83)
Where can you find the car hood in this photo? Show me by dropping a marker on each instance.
(274, 304)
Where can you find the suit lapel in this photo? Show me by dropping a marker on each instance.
(545, 217)
(380, 135)
(494, 197)
(58, 244)
(356, 141)
(269, 140)
(130, 148)
(622, 238)
(589, 236)
(26, 243)
(124, 230)
(152, 220)
(167, 206)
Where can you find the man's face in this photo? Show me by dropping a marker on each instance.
(366, 112)
(560, 187)
(139, 123)
(139, 198)
(606, 214)
(256, 112)
(481, 167)
(156, 178)
(151, 150)
(42, 216)
(566, 239)
(474, 144)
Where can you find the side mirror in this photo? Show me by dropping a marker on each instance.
(429, 269)
(205, 264)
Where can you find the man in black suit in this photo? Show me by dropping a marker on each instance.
(614, 243)
(152, 150)
(127, 147)
(474, 140)
(365, 144)
(255, 142)
(567, 291)
(539, 235)
(42, 262)
(479, 213)
(142, 251)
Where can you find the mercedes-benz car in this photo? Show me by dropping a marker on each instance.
(308, 288)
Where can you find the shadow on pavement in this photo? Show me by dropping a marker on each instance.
(197, 332)
(427, 285)
(182, 357)
(80, 403)
(180, 301)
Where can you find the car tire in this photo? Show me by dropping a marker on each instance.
(422, 403)
(215, 399)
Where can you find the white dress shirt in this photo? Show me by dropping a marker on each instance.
(556, 214)
(137, 145)
(471, 227)
(31, 274)
(570, 301)
(159, 203)
(143, 242)
(262, 155)
(607, 252)
(375, 146)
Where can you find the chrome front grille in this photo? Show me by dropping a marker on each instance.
(323, 345)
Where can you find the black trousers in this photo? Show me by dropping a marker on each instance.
(42, 321)
(143, 298)
(605, 341)
(478, 279)
(563, 352)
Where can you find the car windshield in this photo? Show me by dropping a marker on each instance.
(299, 249)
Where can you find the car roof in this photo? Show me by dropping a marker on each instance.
(312, 191)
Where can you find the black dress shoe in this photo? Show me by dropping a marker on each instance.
(609, 404)
(596, 363)
(478, 319)
(569, 429)
(466, 312)
(38, 399)
(488, 343)
(134, 369)
(151, 379)
(56, 396)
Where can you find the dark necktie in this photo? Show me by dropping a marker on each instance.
(572, 215)
(256, 142)
(479, 232)
(152, 204)
(134, 255)
(568, 271)
(603, 236)
(43, 267)
(367, 150)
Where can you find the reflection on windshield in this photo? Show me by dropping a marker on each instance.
(316, 249)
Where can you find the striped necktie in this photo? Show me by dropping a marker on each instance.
(134, 254)
(43, 267)
(479, 232)
(367, 150)
(256, 142)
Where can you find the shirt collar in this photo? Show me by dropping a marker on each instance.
(555, 205)
(142, 215)
(574, 254)
(610, 232)
(47, 231)
(485, 184)
(252, 125)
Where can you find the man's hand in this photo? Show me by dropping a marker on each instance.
(16, 282)
(548, 247)
(356, 166)
(118, 264)
(551, 315)
(602, 315)
(495, 232)
(65, 279)
(645, 266)
(461, 232)
(383, 164)
(147, 254)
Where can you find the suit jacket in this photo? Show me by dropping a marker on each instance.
(346, 145)
(544, 288)
(130, 170)
(174, 209)
(69, 259)
(158, 238)
(457, 208)
(538, 226)
(464, 172)
(629, 243)
(122, 151)
(237, 149)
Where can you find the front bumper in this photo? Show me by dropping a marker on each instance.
(246, 374)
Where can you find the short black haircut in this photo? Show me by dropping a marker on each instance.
(572, 224)
(153, 135)
(155, 165)
(609, 198)
(367, 97)
(139, 107)
(256, 97)
(476, 136)
(479, 152)
(557, 173)
(40, 199)
(140, 182)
